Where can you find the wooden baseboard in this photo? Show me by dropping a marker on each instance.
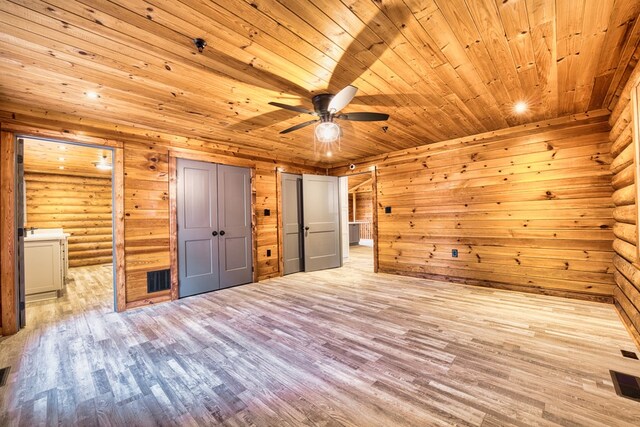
(148, 301)
(635, 334)
(270, 276)
(607, 299)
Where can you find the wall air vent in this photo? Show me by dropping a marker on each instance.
(158, 280)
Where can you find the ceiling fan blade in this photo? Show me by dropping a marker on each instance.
(299, 126)
(363, 117)
(342, 98)
(293, 108)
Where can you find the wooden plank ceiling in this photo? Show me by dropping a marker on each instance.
(440, 68)
(67, 159)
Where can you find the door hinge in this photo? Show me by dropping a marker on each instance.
(22, 305)
(20, 232)
(20, 159)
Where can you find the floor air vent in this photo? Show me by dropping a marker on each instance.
(4, 375)
(626, 385)
(629, 354)
(158, 280)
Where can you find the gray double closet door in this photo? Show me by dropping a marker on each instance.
(310, 222)
(214, 226)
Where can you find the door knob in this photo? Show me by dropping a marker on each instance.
(215, 233)
(306, 228)
(222, 232)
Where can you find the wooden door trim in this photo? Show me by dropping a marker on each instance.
(7, 233)
(174, 155)
(279, 221)
(374, 216)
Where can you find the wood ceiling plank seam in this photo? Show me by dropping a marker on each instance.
(623, 16)
(94, 79)
(515, 20)
(262, 26)
(436, 25)
(462, 24)
(460, 96)
(160, 60)
(277, 60)
(376, 43)
(543, 34)
(67, 39)
(594, 30)
(119, 37)
(489, 25)
(405, 50)
(569, 16)
(629, 54)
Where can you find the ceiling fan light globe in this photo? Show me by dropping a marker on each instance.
(327, 132)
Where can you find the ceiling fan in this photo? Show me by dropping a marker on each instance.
(326, 107)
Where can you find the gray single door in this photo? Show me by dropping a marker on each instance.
(234, 224)
(197, 227)
(292, 223)
(321, 216)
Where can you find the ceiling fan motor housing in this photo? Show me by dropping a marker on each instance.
(321, 105)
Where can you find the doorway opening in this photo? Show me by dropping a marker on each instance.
(65, 205)
(358, 220)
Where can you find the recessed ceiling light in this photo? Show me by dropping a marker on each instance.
(61, 167)
(62, 147)
(61, 159)
(520, 107)
(329, 154)
(92, 95)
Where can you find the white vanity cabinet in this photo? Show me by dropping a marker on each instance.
(46, 263)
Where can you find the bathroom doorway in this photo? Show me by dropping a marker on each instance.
(358, 220)
(66, 209)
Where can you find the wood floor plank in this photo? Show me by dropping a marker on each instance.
(342, 347)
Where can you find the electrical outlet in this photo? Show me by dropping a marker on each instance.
(267, 212)
(454, 253)
(387, 209)
(268, 252)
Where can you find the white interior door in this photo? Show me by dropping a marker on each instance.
(321, 217)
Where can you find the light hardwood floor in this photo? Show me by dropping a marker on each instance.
(338, 347)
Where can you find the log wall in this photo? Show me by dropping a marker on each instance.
(623, 168)
(528, 208)
(363, 206)
(81, 206)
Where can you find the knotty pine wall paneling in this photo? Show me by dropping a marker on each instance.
(82, 206)
(624, 150)
(528, 208)
(144, 187)
(148, 210)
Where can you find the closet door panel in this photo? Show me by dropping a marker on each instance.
(234, 223)
(197, 227)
